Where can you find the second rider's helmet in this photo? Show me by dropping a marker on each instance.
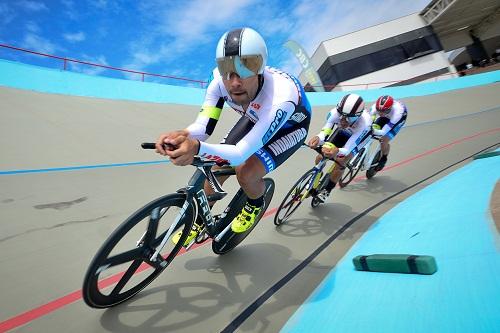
(384, 103)
(241, 51)
(351, 106)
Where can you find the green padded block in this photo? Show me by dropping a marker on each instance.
(486, 155)
(396, 263)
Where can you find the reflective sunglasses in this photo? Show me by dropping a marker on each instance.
(244, 66)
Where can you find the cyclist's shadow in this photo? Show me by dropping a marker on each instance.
(324, 219)
(243, 275)
(251, 270)
(381, 184)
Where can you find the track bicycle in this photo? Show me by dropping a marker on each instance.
(314, 180)
(367, 158)
(141, 247)
(308, 185)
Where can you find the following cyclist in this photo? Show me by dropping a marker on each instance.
(391, 117)
(352, 132)
(275, 117)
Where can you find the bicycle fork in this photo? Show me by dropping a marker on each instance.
(156, 215)
(314, 182)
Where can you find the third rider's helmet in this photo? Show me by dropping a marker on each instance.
(384, 103)
(351, 106)
(241, 51)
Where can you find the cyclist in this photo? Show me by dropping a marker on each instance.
(391, 117)
(352, 132)
(275, 117)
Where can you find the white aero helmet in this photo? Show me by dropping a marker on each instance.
(241, 51)
(351, 106)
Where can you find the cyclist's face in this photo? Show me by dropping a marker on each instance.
(347, 121)
(344, 123)
(242, 91)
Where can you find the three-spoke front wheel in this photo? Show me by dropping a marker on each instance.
(125, 265)
(294, 197)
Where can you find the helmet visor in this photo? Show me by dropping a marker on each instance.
(383, 109)
(349, 119)
(243, 66)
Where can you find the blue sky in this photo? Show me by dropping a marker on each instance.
(178, 38)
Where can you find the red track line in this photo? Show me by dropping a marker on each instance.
(47, 308)
(431, 151)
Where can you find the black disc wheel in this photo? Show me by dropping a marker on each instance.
(372, 170)
(125, 264)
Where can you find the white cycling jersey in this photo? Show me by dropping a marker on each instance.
(358, 131)
(398, 111)
(270, 110)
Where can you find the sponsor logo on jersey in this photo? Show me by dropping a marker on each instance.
(252, 115)
(275, 125)
(256, 106)
(288, 141)
(266, 159)
(298, 117)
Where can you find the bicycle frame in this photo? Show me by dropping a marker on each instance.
(314, 182)
(368, 152)
(195, 192)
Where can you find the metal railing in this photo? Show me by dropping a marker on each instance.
(69, 60)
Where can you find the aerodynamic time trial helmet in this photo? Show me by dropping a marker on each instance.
(242, 51)
(351, 106)
(384, 103)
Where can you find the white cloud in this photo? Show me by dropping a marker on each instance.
(176, 30)
(320, 20)
(74, 37)
(89, 69)
(70, 11)
(6, 14)
(39, 44)
(99, 3)
(34, 6)
(111, 5)
(180, 30)
(32, 27)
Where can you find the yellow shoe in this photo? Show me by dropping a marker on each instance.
(245, 219)
(192, 235)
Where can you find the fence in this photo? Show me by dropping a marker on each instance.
(69, 60)
(203, 84)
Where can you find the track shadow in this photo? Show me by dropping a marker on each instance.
(244, 274)
(379, 184)
(325, 219)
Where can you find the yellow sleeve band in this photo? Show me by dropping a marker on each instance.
(211, 112)
(327, 130)
(376, 126)
(329, 145)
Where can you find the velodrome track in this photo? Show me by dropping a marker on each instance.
(68, 180)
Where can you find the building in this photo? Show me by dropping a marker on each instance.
(413, 48)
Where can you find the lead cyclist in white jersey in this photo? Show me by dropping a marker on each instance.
(275, 117)
(390, 117)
